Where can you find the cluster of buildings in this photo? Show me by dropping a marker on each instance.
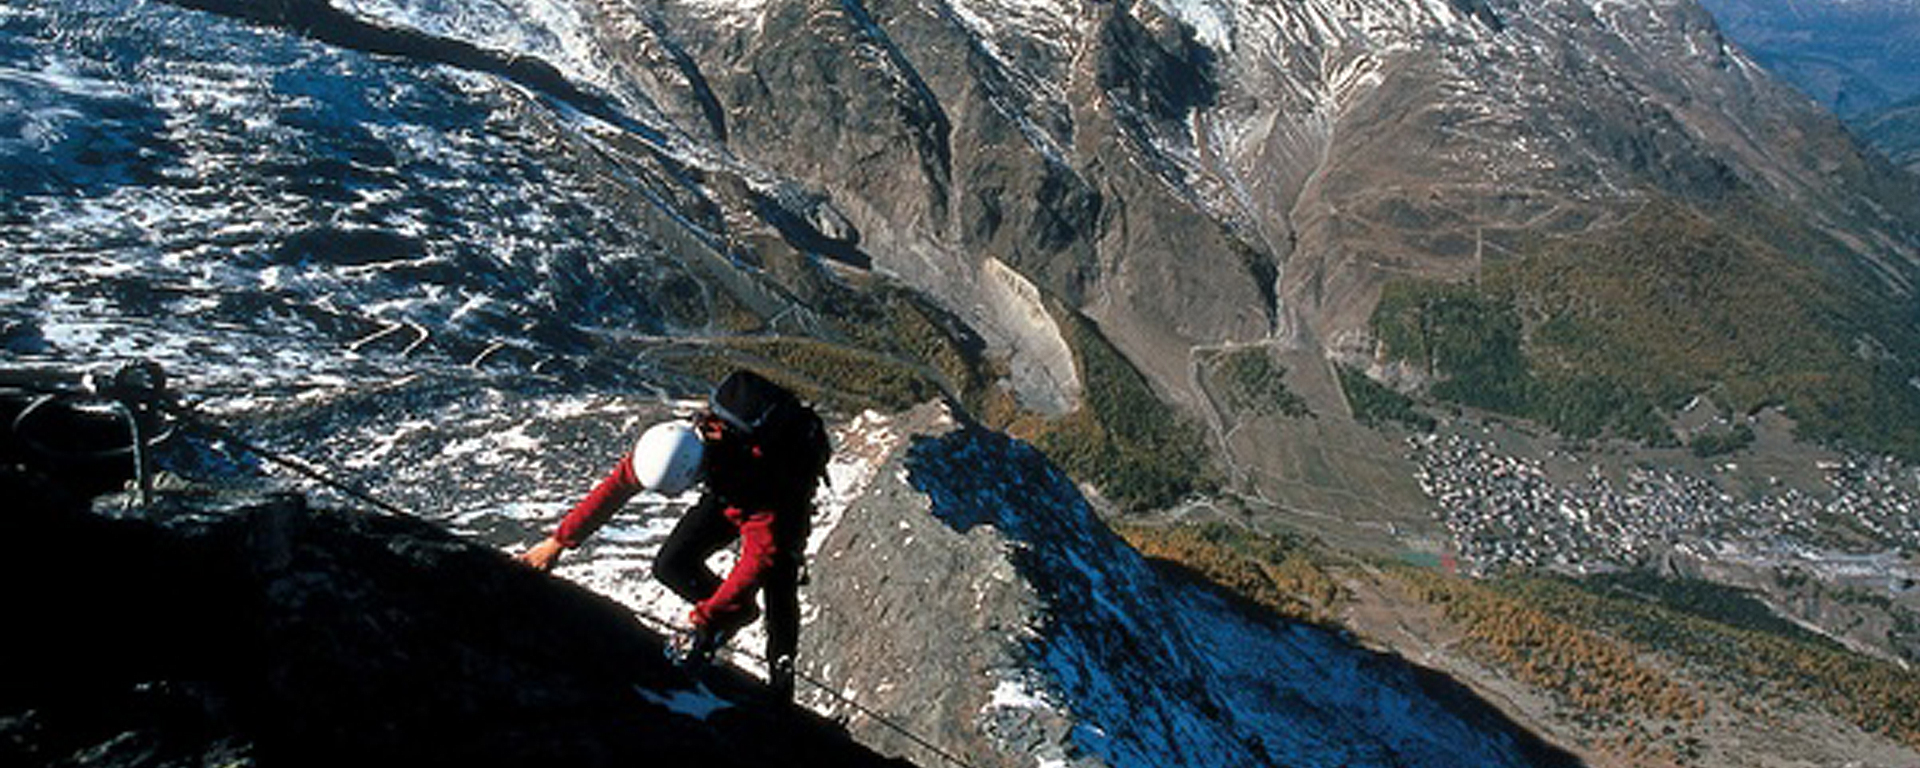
(1505, 512)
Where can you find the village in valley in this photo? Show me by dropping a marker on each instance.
(1504, 512)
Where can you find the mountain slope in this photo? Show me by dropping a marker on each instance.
(464, 253)
(1072, 650)
(1189, 176)
(1896, 131)
(1853, 57)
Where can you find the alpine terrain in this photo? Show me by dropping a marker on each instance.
(1213, 382)
(1855, 57)
(1860, 59)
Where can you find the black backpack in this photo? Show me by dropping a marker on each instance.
(775, 448)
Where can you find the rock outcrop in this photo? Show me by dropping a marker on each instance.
(970, 591)
(243, 629)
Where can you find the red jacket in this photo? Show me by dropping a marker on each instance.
(760, 549)
(607, 497)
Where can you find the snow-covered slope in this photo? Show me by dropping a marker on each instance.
(499, 181)
(256, 208)
(259, 209)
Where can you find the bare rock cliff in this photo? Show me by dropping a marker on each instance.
(970, 592)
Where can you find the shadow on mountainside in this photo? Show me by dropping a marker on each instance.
(242, 628)
(1455, 696)
(1123, 635)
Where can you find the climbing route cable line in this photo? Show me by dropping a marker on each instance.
(139, 393)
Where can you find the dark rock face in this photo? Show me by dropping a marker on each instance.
(242, 631)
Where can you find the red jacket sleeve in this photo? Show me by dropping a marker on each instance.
(732, 604)
(607, 497)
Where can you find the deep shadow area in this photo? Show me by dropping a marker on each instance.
(244, 627)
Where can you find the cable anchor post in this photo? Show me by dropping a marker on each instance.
(139, 392)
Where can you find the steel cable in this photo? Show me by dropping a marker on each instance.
(125, 400)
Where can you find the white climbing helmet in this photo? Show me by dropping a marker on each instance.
(666, 459)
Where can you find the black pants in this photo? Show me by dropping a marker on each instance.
(682, 566)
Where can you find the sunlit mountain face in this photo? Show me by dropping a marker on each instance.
(517, 185)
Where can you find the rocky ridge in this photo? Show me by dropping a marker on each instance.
(969, 588)
(962, 589)
(250, 631)
(226, 620)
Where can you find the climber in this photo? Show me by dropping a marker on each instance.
(761, 453)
